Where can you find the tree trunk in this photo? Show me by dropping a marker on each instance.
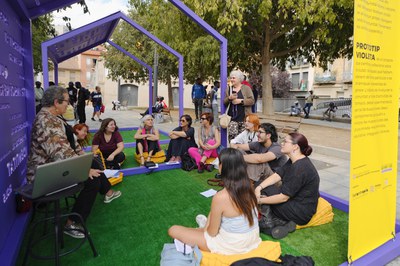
(267, 100)
(170, 96)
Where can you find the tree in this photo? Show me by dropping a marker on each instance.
(43, 30)
(162, 19)
(272, 32)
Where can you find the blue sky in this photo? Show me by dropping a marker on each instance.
(98, 9)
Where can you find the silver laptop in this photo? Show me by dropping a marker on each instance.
(53, 177)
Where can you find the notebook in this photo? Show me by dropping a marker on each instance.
(53, 177)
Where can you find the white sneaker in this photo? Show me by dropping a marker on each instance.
(201, 220)
(114, 195)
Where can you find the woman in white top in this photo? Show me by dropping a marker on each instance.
(252, 123)
(232, 225)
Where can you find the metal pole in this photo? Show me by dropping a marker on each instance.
(155, 87)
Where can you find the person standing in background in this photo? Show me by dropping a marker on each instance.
(309, 102)
(72, 92)
(39, 91)
(198, 94)
(255, 94)
(214, 102)
(83, 96)
(97, 102)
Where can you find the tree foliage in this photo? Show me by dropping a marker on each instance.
(260, 33)
(272, 32)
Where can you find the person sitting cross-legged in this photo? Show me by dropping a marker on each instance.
(232, 224)
(110, 142)
(263, 157)
(182, 138)
(147, 139)
(289, 196)
(209, 141)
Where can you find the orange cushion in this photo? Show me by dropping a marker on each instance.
(323, 215)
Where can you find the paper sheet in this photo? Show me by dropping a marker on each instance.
(111, 173)
(181, 247)
(209, 193)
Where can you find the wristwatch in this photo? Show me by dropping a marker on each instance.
(242, 101)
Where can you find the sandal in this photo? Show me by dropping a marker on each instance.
(141, 160)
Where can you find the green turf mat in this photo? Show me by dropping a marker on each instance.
(132, 229)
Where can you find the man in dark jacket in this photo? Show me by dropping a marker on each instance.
(83, 96)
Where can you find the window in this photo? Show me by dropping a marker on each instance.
(295, 81)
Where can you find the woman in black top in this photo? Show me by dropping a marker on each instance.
(289, 196)
(182, 138)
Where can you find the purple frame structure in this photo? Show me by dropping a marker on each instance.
(62, 47)
(223, 51)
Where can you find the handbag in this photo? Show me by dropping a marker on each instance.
(225, 119)
(102, 109)
(171, 257)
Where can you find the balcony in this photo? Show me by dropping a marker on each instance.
(325, 78)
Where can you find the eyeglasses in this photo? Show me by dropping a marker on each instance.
(203, 118)
(260, 132)
(287, 141)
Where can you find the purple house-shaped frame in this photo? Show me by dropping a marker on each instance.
(86, 37)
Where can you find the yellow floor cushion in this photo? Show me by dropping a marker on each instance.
(267, 249)
(323, 215)
(113, 180)
(159, 157)
(210, 160)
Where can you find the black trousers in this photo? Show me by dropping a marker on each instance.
(84, 203)
(81, 113)
(114, 164)
(198, 107)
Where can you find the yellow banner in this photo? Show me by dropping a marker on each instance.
(374, 133)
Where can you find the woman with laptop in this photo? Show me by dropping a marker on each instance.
(50, 143)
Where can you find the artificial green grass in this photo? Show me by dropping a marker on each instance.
(132, 229)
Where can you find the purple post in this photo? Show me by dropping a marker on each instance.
(224, 54)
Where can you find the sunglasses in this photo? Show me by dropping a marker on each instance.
(203, 118)
(183, 120)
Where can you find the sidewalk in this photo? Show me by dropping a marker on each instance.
(330, 142)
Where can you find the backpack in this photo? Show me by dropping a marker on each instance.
(188, 163)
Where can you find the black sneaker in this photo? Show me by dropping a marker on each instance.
(74, 230)
(281, 231)
(93, 119)
(100, 120)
